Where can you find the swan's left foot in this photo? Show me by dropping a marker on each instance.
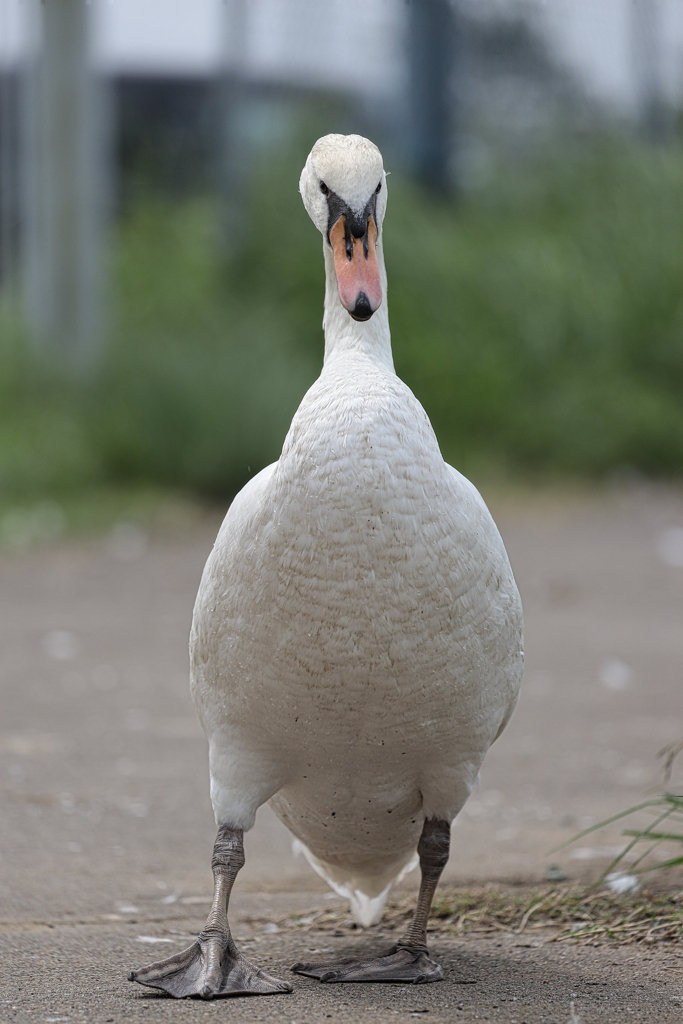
(408, 960)
(400, 963)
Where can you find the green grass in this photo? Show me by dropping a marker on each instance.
(204, 379)
(539, 321)
(552, 340)
(664, 829)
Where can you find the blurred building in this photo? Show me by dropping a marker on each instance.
(173, 66)
(360, 45)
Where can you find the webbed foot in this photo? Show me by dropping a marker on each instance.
(400, 963)
(211, 967)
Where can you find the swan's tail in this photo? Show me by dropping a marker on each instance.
(366, 895)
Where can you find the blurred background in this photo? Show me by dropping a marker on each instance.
(161, 286)
(161, 292)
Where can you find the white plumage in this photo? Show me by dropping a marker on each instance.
(357, 637)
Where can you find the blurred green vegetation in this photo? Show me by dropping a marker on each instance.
(539, 319)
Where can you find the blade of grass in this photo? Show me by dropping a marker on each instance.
(659, 836)
(605, 822)
(629, 846)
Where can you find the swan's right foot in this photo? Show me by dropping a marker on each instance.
(211, 967)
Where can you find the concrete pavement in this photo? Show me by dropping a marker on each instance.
(103, 767)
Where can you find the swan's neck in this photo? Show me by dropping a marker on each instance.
(343, 334)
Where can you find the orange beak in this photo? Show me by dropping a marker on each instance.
(356, 267)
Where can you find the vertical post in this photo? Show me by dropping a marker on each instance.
(64, 188)
(431, 43)
(233, 157)
(647, 56)
(7, 191)
(9, 215)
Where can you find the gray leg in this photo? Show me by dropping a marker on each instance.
(212, 965)
(433, 848)
(408, 960)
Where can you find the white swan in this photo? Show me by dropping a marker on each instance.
(357, 636)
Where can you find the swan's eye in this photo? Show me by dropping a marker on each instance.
(324, 189)
(379, 188)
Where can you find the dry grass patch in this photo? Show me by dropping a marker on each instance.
(576, 913)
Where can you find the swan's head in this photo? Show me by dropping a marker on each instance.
(344, 190)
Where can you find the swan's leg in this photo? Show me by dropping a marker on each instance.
(212, 965)
(408, 960)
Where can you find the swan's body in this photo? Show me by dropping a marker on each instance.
(356, 643)
(357, 636)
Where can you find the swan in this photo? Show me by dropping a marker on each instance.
(356, 643)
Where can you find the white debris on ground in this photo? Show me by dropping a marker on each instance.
(621, 882)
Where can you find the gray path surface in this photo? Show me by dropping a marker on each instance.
(106, 827)
(78, 974)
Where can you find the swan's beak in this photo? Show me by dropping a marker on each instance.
(356, 267)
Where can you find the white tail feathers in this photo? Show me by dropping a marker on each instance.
(366, 896)
(366, 910)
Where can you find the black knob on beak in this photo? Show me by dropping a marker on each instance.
(362, 310)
